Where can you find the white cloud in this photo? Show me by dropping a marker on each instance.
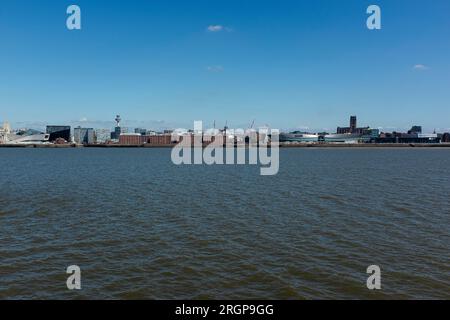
(215, 28)
(218, 28)
(420, 67)
(214, 68)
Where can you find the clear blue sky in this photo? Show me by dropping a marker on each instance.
(285, 63)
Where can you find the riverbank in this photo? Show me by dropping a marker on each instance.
(367, 145)
(299, 145)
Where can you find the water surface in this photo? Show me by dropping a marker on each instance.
(142, 228)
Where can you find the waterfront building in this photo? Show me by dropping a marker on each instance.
(140, 131)
(299, 137)
(352, 129)
(399, 137)
(116, 133)
(117, 130)
(131, 139)
(84, 135)
(26, 136)
(353, 124)
(342, 138)
(373, 133)
(415, 130)
(102, 135)
(139, 139)
(61, 132)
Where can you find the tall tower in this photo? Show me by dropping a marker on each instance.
(118, 119)
(115, 135)
(353, 124)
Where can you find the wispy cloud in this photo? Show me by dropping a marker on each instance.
(215, 28)
(420, 67)
(218, 28)
(214, 68)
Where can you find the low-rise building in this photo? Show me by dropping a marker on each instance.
(139, 139)
(399, 137)
(58, 132)
(140, 131)
(446, 137)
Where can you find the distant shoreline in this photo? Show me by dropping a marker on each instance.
(286, 146)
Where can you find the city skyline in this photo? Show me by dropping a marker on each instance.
(293, 65)
(139, 136)
(161, 126)
(167, 125)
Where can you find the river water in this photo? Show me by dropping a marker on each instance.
(140, 227)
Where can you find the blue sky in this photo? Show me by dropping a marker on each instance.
(289, 64)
